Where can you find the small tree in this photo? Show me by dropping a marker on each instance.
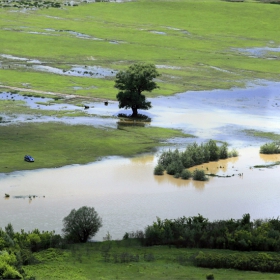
(138, 78)
(81, 224)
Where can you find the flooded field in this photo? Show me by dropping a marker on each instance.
(126, 193)
(129, 197)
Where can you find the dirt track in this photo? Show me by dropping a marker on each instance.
(67, 96)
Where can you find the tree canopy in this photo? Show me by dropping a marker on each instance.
(81, 224)
(138, 78)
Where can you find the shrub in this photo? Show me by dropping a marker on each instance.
(186, 174)
(213, 150)
(175, 167)
(270, 148)
(159, 169)
(199, 175)
(263, 262)
(223, 151)
(233, 153)
(210, 276)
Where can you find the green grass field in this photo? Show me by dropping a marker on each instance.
(58, 144)
(88, 261)
(196, 42)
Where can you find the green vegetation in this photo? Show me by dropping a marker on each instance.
(175, 162)
(259, 262)
(16, 250)
(126, 259)
(267, 165)
(58, 144)
(199, 232)
(44, 255)
(138, 78)
(270, 148)
(269, 135)
(81, 225)
(196, 44)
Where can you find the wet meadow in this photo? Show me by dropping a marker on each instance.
(58, 63)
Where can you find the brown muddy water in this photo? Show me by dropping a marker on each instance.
(129, 197)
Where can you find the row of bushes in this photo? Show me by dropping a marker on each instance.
(263, 262)
(198, 232)
(176, 162)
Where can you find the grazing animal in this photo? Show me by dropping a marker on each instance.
(86, 107)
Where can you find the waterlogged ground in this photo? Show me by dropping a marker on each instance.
(126, 193)
(128, 196)
(220, 114)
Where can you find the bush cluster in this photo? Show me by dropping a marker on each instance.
(270, 148)
(263, 262)
(176, 162)
(198, 232)
(16, 250)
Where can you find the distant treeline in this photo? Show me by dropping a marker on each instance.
(199, 232)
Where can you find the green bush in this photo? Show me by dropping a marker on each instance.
(263, 262)
(233, 153)
(175, 167)
(270, 148)
(159, 170)
(210, 276)
(186, 174)
(223, 151)
(199, 175)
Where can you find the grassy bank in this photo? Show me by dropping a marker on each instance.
(89, 261)
(197, 44)
(262, 134)
(58, 144)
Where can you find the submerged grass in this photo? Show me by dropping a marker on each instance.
(57, 144)
(195, 43)
(269, 135)
(108, 260)
(267, 165)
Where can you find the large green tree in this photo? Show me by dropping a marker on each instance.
(81, 224)
(138, 78)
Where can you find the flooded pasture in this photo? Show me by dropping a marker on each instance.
(129, 197)
(125, 192)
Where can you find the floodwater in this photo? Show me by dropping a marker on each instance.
(129, 197)
(259, 52)
(125, 192)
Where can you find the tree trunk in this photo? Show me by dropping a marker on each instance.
(134, 112)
